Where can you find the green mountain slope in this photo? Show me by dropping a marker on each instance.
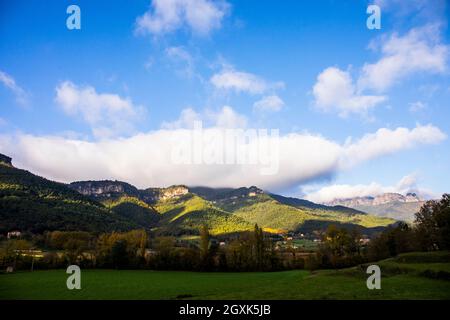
(305, 204)
(183, 210)
(185, 215)
(31, 203)
(278, 213)
(133, 209)
(270, 213)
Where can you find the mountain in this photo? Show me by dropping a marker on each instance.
(392, 205)
(32, 203)
(225, 210)
(176, 210)
(185, 214)
(301, 203)
(128, 201)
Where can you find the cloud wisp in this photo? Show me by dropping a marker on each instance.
(271, 103)
(108, 114)
(10, 83)
(166, 16)
(230, 79)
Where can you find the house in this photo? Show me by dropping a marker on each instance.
(364, 241)
(14, 234)
(150, 253)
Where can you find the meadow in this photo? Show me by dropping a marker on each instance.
(404, 277)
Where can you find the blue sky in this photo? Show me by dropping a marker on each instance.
(359, 111)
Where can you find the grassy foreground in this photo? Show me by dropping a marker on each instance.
(402, 278)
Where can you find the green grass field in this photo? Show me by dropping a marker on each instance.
(400, 280)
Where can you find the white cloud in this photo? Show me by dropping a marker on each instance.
(407, 183)
(187, 119)
(228, 118)
(420, 50)
(144, 159)
(417, 106)
(239, 81)
(181, 56)
(334, 91)
(108, 114)
(345, 191)
(9, 82)
(224, 118)
(387, 141)
(269, 103)
(165, 16)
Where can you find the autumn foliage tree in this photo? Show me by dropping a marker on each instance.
(433, 224)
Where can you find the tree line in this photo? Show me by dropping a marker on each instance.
(248, 251)
(429, 232)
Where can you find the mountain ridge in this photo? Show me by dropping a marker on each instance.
(392, 205)
(175, 210)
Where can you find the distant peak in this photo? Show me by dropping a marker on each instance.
(388, 197)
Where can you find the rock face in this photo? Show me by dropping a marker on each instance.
(104, 188)
(378, 200)
(108, 189)
(245, 192)
(392, 205)
(5, 160)
(172, 192)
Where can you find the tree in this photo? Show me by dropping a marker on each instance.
(259, 247)
(340, 247)
(74, 249)
(166, 254)
(119, 254)
(205, 256)
(433, 224)
(391, 242)
(143, 243)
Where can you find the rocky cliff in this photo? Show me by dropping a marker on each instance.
(5, 160)
(104, 188)
(377, 200)
(108, 189)
(393, 205)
